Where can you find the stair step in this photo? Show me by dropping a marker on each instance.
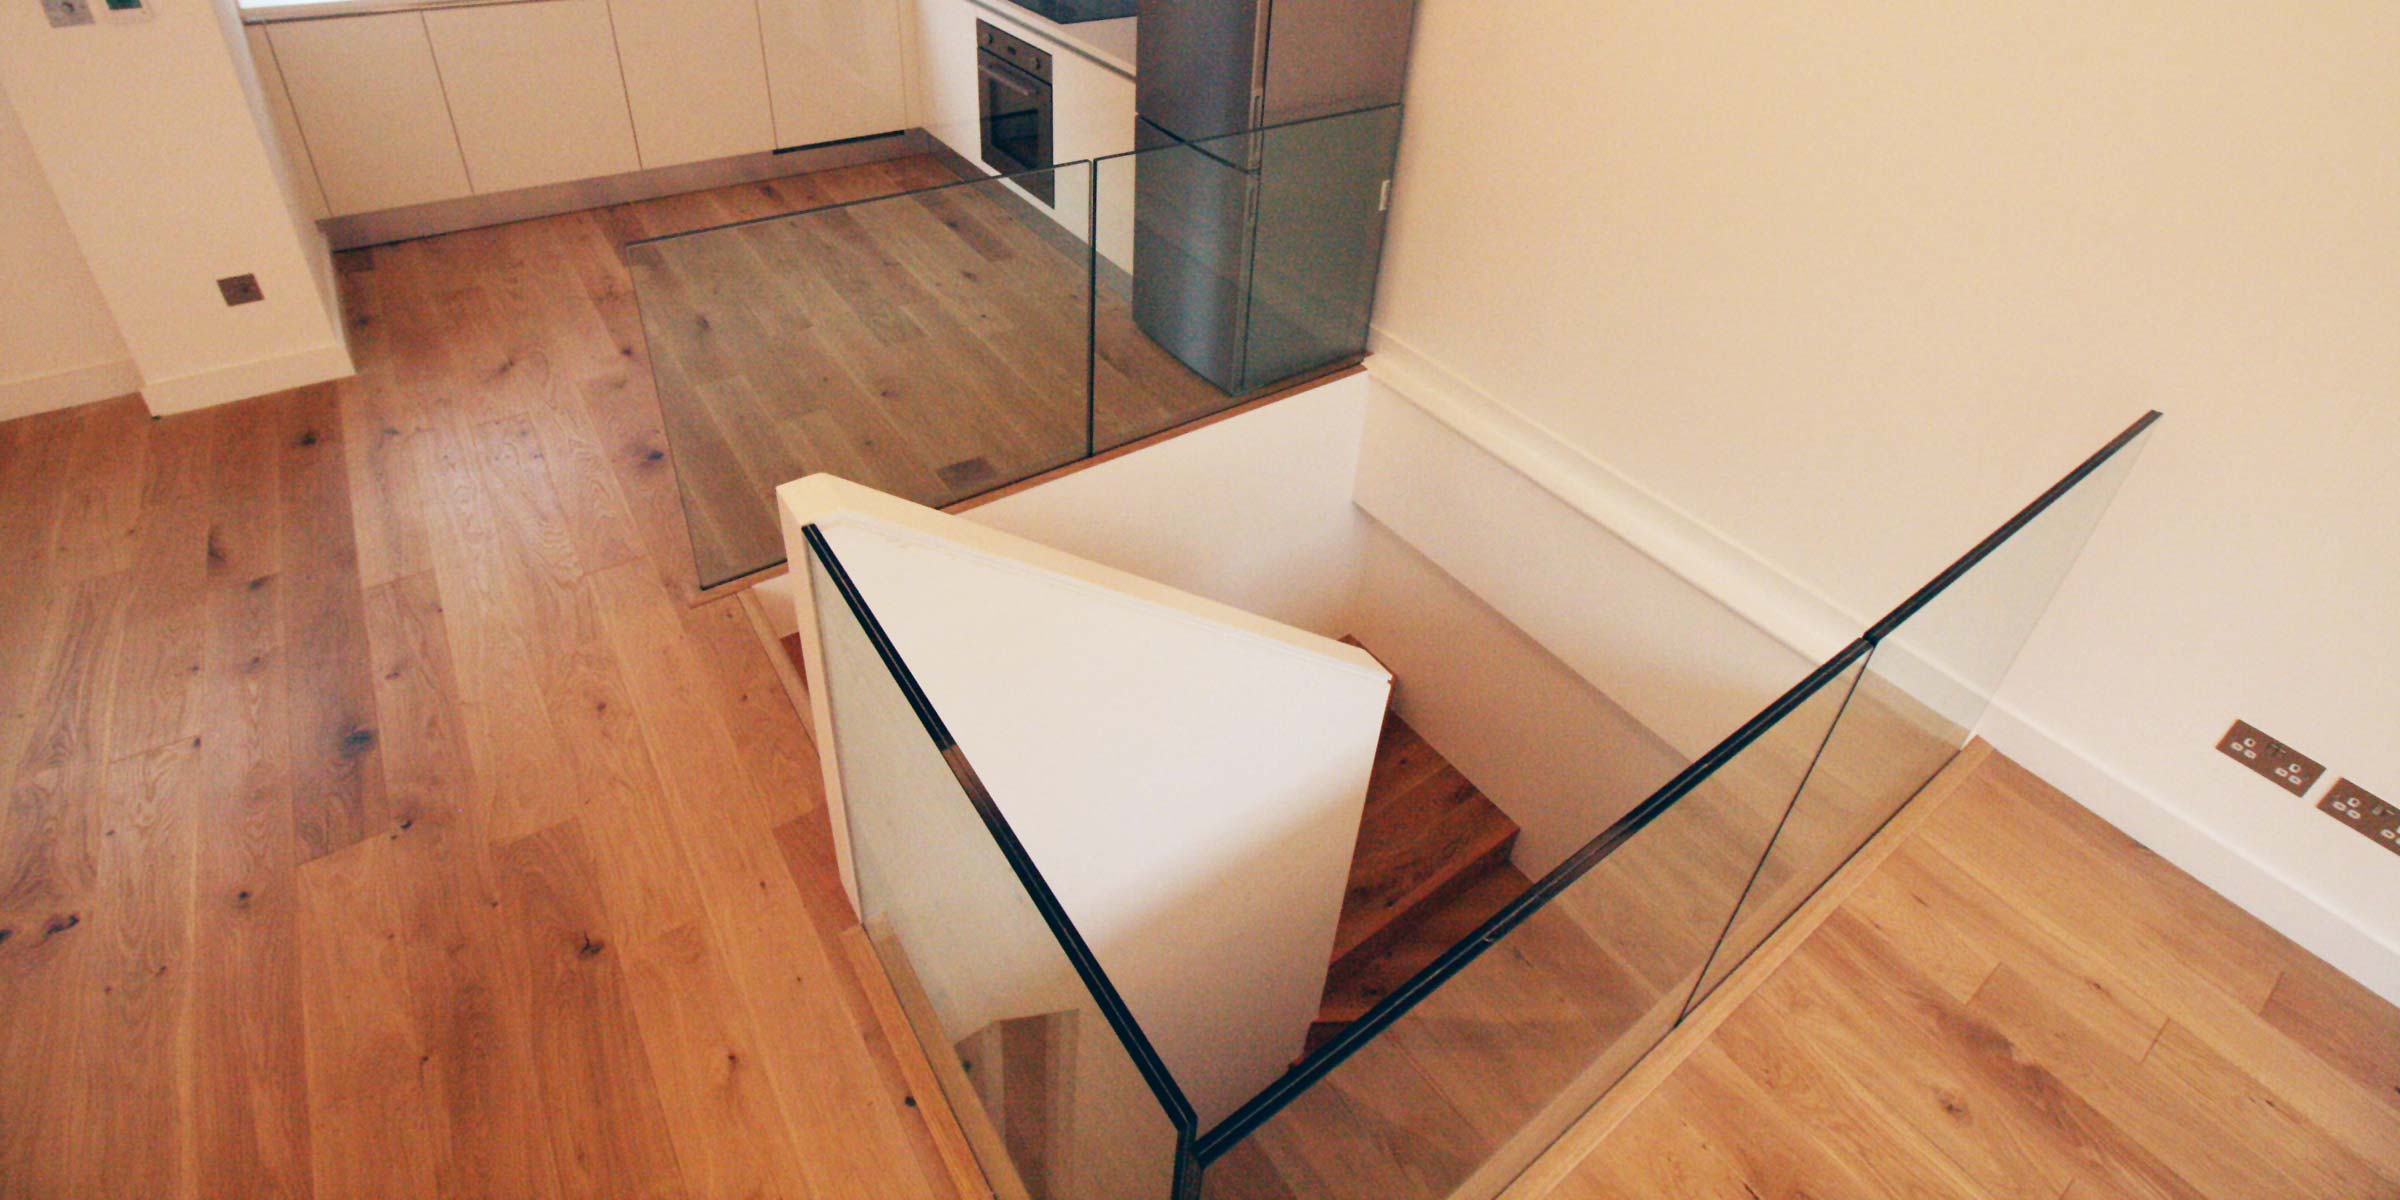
(1359, 981)
(1430, 864)
(1426, 830)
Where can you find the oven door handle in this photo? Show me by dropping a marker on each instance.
(1007, 75)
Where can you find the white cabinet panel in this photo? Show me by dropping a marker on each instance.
(287, 124)
(696, 78)
(535, 91)
(1093, 105)
(946, 86)
(368, 100)
(834, 68)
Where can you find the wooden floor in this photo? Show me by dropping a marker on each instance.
(381, 819)
(2022, 1002)
(932, 345)
(2019, 1002)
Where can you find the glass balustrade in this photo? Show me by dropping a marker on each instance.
(1468, 1069)
(942, 343)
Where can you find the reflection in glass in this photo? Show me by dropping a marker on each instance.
(1249, 260)
(933, 345)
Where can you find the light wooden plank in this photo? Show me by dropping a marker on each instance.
(608, 1134)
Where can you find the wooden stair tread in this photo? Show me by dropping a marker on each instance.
(1430, 864)
(1425, 830)
(1359, 981)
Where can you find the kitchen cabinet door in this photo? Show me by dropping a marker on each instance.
(368, 101)
(535, 91)
(287, 123)
(696, 77)
(834, 68)
(948, 92)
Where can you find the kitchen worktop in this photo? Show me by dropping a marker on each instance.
(1109, 43)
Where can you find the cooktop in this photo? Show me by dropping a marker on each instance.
(1068, 12)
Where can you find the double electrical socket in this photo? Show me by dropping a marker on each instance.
(2358, 808)
(2287, 768)
(2296, 773)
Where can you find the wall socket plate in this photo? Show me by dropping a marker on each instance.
(240, 289)
(2358, 808)
(63, 13)
(2281, 765)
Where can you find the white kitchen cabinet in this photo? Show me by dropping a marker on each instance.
(368, 101)
(287, 123)
(535, 92)
(695, 77)
(1094, 106)
(946, 88)
(833, 68)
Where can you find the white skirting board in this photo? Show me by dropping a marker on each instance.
(2285, 905)
(66, 389)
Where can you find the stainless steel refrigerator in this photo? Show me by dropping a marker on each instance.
(1269, 129)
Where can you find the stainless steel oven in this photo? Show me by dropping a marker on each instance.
(1014, 78)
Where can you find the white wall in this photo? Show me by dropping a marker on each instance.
(1253, 511)
(155, 142)
(1188, 777)
(58, 344)
(1561, 757)
(1847, 283)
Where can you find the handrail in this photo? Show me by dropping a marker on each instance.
(1104, 993)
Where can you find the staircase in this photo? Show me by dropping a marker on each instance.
(1430, 865)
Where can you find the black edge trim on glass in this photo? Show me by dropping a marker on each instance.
(2025, 516)
(1062, 927)
(1091, 312)
(1242, 1121)
(884, 649)
(1190, 1172)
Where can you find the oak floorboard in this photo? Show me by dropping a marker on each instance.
(608, 1131)
(136, 1016)
(374, 1113)
(337, 776)
(250, 1108)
